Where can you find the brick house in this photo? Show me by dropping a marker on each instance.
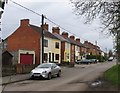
(92, 49)
(28, 37)
(25, 37)
(72, 45)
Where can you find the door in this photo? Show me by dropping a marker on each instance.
(53, 57)
(26, 59)
(49, 57)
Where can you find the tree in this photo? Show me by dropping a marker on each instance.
(2, 5)
(107, 12)
(110, 53)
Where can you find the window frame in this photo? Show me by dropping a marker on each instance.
(57, 45)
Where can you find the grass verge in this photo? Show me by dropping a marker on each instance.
(113, 75)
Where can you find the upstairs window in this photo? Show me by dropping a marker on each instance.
(57, 45)
(45, 43)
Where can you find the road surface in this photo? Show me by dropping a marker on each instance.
(72, 79)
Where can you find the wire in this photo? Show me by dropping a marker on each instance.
(26, 8)
(47, 19)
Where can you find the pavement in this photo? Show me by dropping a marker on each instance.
(14, 78)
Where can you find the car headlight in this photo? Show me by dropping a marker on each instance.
(44, 72)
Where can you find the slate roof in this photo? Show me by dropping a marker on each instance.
(75, 42)
(60, 37)
(46, 33)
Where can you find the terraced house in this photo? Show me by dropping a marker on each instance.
(65, 45)
(26, 45)
(52, 47)
(28, 37)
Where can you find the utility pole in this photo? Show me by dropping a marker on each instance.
(42, 39)
(96, 48)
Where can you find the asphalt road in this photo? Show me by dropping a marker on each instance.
(72, 79)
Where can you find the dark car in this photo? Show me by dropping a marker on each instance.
(84, 61)
(93, 60)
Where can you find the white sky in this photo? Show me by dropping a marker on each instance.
(59, 11)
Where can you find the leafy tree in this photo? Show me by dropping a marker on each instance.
(110, 53)
(108, 13)
(2, 5)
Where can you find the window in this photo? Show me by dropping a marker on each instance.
(57, 45)
(57, 57)
(5, 45)
(45, 43)
(45, 57)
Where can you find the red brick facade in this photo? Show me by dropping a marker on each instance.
(25, 38)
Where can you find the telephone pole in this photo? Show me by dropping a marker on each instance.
(42, 39)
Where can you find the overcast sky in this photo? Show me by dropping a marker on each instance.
(60, 12)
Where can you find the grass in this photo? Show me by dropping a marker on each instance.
(113, 75)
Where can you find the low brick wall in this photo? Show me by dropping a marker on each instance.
(16, 69)
(8, 70)
(22, 69)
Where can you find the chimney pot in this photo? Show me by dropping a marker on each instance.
(65, 34)
(72, 37)
(45, 26)
(78, 40)
(24, 22)
(56, 30)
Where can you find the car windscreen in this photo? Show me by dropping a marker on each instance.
(44, 66)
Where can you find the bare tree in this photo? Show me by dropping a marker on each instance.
(108, 13)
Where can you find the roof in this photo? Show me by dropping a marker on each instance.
(46, 33)
(5, 51)
(60, 37)
(74, 42)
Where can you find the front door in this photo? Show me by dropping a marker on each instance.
(53, 57)
(49, 57)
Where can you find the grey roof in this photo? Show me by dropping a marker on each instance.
(60, 37)
(46, 33)
(75, 42)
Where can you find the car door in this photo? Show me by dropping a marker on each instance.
(54, 69)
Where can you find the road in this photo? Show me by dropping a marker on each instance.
(72, 79)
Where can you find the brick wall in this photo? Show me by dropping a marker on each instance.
(25, 38)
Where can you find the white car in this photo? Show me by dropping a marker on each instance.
(46, 70)
(110, 59)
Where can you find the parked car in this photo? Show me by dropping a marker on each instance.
(84, 61)
(46, 70)
(77, 61)
(93, 60)
(110, 59)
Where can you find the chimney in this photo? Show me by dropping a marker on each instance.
(45, 26)
(24, 22)
(65, 34)
(86, 42)
(78, 40)
(72, 37)
(56, 30)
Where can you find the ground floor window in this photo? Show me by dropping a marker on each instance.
(57, 57)
(45, 57)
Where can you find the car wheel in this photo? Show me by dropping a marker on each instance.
(49, 76)
(59, 74)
